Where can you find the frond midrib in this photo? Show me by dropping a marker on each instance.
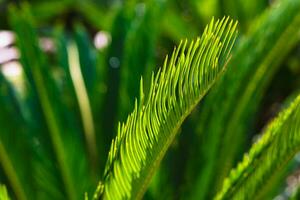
(174, 92)
(150, 171)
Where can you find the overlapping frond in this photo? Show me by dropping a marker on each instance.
(280, 141)
(175, 90)
(15, 166)
(227, 116)
(57, 159)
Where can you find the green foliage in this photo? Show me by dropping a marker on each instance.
(45, 94)
(278, 144)
(223, 119)
(175, 90)
(59, 115)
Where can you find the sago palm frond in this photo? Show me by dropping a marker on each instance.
(43, 88)
(59, 165)
(10, 158)
(176, 89)
(228, 112)
(279, 143)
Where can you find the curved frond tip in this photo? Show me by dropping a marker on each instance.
(279, 143)
(175, 90)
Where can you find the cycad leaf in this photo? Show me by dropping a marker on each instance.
(39, 79)
(16, 167)
(66, 149)
(228, 112)
(175, 90)
(280, 141)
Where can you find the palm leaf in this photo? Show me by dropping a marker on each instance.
(83, 101)
(229, 110)
(40, 81)
(279, 143)
(62, 161)
(150, 129)
(87, 57)
(15, 166)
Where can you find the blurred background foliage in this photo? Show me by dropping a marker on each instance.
(57, 126)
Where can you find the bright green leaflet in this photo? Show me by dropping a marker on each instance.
(279, 143)
(176, 89)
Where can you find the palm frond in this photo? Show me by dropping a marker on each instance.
(41, 83)
(83, 101)
(279, 143)
(75, 95)
(61, 162)
(229, 110)
(87, 58)
(15, 166)
(176, 89)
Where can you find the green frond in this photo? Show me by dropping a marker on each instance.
(279, 143)
(83, 101)
(40, 80)
(176, 89)
(59, 162)
(15, 166)
(229, 111)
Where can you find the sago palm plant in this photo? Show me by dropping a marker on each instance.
(187, 132)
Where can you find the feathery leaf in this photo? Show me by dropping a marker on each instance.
(279, 143)
(175, 90)
(227, 114)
